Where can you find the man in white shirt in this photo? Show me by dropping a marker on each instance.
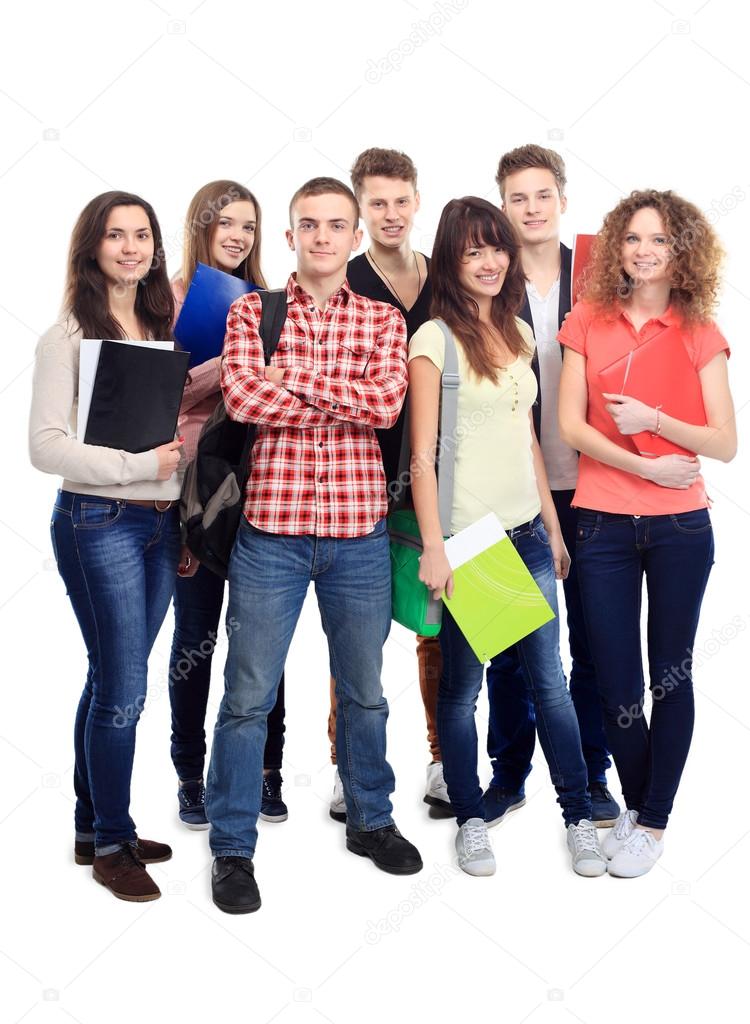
(532, 181)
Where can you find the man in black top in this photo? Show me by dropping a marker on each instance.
(532, 190)
(385, 183)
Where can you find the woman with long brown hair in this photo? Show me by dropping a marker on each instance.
(651, 291)
(222, 230)
(115, 528)
(478, 284)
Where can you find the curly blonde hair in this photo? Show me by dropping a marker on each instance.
(696, 256)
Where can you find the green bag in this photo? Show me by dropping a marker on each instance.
(413, 605)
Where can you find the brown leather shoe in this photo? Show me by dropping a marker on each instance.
(125, 876)
(148, 851)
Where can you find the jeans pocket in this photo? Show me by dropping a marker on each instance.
(587, 527)
(91, 515)
(698, 521)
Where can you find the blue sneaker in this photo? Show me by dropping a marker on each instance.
(191, 798)
(604, 808)
(499, 802)
(272, 807)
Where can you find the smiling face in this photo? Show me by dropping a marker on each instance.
(388, 209)
(126, 250)
(533, 205)
(234, 235)
(482, 271)
(323, 234)
(645, 249)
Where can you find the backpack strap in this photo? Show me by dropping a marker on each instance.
(273, 316)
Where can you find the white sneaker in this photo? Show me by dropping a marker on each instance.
(337, 808)
(583, 843)
(436, 791)
(620, 834)
(475, 855)
(637, 855)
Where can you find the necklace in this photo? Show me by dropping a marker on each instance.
(388, 280)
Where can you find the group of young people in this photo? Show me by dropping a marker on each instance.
(553, 461)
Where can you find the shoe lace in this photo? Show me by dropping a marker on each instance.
(192, 796)
(476, 839)
(585, 837)
(624, 826)
(639, 844)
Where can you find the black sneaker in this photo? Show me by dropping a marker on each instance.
(386, 848)
(604, 808)
(272, 807)
(233, 886)
(191, 799)
(499, 802)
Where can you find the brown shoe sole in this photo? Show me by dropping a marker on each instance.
(81, 858)
(146, 898)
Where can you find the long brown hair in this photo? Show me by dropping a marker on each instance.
(475, 222)
(696, 256)
(86, 296)
(201, 223)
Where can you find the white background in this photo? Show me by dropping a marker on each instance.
(158, 98)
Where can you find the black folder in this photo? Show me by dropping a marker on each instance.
(136, 396)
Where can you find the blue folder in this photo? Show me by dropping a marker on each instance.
(201, 325)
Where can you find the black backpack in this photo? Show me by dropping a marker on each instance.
(213, 489)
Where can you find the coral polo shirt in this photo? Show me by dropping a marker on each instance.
(602, 339)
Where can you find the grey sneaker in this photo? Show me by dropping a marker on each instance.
(583, 843)
(337, 809)
(475, 855)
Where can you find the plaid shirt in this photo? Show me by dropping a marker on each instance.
(316, 464)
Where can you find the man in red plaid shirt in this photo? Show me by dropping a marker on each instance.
(315, 510)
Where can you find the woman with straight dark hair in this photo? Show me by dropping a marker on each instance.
(222, 230)
(652, 289)
(477, 289)
(115, 529)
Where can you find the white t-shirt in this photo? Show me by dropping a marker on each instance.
(560, 460)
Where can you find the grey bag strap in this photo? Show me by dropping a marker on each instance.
(447, 438)
(448, 419)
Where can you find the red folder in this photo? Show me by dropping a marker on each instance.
(582, 249)
(659, 372)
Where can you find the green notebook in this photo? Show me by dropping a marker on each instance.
(495, 599)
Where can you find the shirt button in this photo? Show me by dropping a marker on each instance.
(322, 478)
(335, 405)
(320, 444)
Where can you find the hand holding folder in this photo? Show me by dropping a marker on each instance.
(658, 373)
(131, 400)
(496, 601)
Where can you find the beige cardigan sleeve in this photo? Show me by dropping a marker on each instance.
(53, 446)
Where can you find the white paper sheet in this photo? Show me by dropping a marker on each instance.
(475, 539)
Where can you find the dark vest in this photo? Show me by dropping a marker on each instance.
(566, 257)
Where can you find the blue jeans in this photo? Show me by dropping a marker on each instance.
(511, 734)
(269, 575)
(675, 553)
(197, 609)
(118, 563)
(539, 658)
